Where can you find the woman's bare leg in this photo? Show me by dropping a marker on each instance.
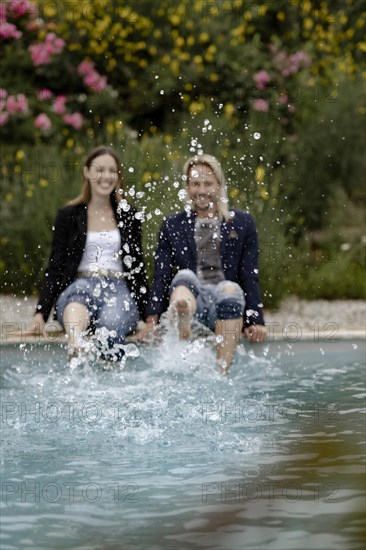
(76, 320)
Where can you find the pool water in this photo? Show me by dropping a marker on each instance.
(164, 453)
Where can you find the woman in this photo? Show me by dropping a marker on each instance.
(96, 273)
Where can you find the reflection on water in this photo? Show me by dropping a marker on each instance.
(162, 452)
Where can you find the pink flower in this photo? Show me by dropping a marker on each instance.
(291, 64)
(44, 94)
(8, 30)
(85, 67)
(261, 79)
(22, 7)
(261, 105)
(92, 79)
(75, 120)
(59, 105)
(4, 117)
(283, 98)
(39, 54)
(55, 44)
(95, 81)
(2, 12)
(17, 104)
(3, 93)
(42, 122)
(22, 103)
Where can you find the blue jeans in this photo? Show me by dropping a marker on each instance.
(109, 303)
(214, 302)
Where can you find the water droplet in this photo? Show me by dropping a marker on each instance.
(257, 135)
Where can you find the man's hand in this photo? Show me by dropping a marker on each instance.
(149, 331)
(255, 333)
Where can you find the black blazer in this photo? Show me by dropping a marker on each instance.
(68, 243)
(239, 255)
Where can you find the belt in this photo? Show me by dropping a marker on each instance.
(99, 273)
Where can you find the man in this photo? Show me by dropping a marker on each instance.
(206, 264)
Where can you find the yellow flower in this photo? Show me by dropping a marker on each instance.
(197, 59)
(204, 37)
(69, 142)
(174, 19)
(214, 77)
(196, 107)
(29, 193)
(111, 65)
(49, 10)
(9, 197)
(168, 138)
(19, 155)
(264, 194)
(175, 67)
(281, 16)
(17, 169)
(156, 175)
(43, 182)
(234, 193)
(259, 173)
(152, 129)
(229, 109)
(146, 176)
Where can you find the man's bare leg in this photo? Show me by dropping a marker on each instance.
(229, 330)
(76, 319)
(184, 302)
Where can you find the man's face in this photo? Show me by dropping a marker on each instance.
(203, 190)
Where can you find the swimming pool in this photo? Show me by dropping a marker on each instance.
(164, 453)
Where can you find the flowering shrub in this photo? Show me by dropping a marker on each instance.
(269, 86)
(46, 89)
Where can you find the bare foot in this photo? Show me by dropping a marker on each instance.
(73, 352)
(223, 366)
(184, 319)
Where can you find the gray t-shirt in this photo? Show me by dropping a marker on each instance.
(207, 239)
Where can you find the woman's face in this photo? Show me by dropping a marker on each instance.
(102, 175)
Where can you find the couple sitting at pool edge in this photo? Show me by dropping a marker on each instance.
(206, 262)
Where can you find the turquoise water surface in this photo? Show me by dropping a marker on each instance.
(164, 453)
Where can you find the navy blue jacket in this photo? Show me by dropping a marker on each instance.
(239, 255)
(68, 243)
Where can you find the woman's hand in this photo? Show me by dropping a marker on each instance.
(255, 333)
(38, 325)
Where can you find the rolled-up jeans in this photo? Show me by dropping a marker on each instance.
(221, 301)
(109, 303)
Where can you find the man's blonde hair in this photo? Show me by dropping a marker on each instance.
(213, 163)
